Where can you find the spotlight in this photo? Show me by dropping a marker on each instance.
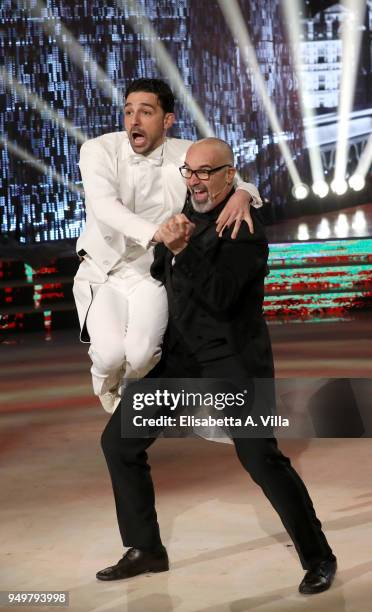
(342, 226)
(324, 231)
(300, 191)
(357, 182)
(339, 186)
(303, 232)
(359, 222)
(320, 188)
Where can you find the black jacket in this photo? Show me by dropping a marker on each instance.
(219, 281)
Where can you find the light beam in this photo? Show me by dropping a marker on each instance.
(39, 165)
(42, 107)
(351, 37)
(235, 21)
(292, 9)
(141, 25)
(78, 55)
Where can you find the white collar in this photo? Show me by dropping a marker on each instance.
(154, 158)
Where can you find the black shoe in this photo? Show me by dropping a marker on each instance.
(319, 578)
(136, 562)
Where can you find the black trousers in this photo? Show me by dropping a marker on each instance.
(133, 488)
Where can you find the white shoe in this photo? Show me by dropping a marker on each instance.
(110, 400)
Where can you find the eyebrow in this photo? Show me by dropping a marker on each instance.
(202, 167)
(140, 104)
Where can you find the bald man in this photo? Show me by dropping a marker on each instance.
(216, 329)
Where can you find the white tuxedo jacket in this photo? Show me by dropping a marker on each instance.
(117, 226)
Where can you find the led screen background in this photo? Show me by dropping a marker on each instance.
(37, 54)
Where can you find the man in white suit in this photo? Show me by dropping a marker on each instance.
(132, 185)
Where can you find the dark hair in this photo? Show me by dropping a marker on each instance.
(156, 86)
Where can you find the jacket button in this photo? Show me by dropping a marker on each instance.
(108, 238)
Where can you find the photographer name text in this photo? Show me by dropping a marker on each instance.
(192, 421)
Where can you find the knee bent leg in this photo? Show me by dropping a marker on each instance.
(108, 360)
(142, 355)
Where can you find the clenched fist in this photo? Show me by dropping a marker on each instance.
(175, 233)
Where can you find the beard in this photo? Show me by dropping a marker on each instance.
(202, 208)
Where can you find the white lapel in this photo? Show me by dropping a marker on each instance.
(125, 176)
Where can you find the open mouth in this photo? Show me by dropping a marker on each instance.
(199, 193)
(138, 138)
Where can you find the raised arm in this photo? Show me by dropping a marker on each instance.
(238, 208)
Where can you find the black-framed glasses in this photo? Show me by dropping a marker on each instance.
(203, 174)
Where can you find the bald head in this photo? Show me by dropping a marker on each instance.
(213, 161)
(217, 148)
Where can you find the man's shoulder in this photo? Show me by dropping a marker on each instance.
(177, 147)
(110, 142)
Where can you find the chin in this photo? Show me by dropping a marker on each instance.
(141, 149)
(202, 208)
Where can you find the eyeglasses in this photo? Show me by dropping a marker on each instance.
(202, 175)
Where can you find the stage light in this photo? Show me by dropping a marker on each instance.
(320, 188)
(357, 182)
(236, 23)
(42, 107)
(141, 25)
(324, 230)
(359, 222)
(292, 9)
(300, 191)
(352, 28)
(39, 165)
(303, 232)
(79, 55)
(341, 226)
(339, 186)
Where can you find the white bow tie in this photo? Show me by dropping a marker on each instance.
(142, 159)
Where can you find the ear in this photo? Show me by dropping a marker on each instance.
(169, 119)
(230, 175)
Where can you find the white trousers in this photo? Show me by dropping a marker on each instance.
(126, 323)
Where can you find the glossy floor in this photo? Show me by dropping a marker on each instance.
(228, 550)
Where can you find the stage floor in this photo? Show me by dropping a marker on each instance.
(228, 550)
(39, 373)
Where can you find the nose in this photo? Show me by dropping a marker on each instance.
(193, 180)
(134, 119)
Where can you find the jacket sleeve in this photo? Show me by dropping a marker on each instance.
(100, 183)
(219, 282)
(252, 190)
(157, 269)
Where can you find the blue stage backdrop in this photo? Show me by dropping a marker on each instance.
(42, 43)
